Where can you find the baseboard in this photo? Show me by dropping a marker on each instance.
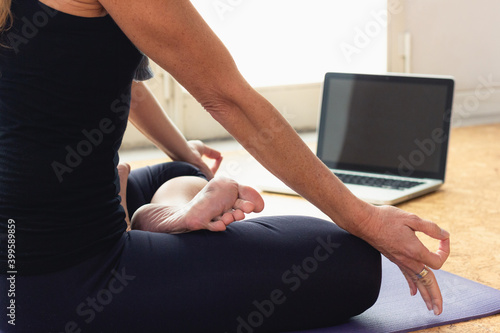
(476, 107)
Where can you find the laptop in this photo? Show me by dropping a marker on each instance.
(385, 136)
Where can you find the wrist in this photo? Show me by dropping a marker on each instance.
(357, 218)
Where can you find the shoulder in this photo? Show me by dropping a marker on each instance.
(84, 8)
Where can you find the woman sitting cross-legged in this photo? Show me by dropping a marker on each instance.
(189, 262)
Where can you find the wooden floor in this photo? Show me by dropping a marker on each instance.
(468, 206)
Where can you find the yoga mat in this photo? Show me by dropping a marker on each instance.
(397, 311)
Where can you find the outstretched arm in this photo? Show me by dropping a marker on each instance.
(147, 115)
(174, 35)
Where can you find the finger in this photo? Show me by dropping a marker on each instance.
(427, 287)
(216, 165)
(425, 296)
(206, 171)
(429, 290)
(422, 290)
(411, 283)
(436, 259)
(409, 270)
(211, 153)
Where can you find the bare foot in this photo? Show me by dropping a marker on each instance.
(221, 202)
(123, 172)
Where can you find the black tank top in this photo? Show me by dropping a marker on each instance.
(64, 100)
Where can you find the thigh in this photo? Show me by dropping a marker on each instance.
(65, 300)
(269, 274)
(144, 182)
(262, 275)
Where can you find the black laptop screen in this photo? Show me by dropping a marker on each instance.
(385, 124)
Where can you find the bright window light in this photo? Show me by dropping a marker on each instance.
(280, 42)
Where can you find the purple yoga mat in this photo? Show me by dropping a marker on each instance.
(396, 311)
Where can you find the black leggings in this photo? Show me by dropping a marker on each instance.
(267, 274)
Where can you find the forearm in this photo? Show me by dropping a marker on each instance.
(198, 60)
(147, 115)
(260, 128)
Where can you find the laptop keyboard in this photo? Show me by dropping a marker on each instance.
(394, 184)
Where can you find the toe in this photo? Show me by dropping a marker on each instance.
(227, 218)
(238, 215)
(249, 194)
(244, 206)
(217, 225)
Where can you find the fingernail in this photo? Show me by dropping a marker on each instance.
(436, 310)
(429, 306)
(445, 233)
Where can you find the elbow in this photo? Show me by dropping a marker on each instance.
(226, 97)
(220, 108)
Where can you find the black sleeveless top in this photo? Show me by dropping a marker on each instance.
(64, 100)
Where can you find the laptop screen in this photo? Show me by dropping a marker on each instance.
(387, 124)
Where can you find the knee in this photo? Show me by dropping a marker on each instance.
(369, 277)
(374, 280)
(184, 169)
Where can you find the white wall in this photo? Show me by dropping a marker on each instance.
(299, 104)
(283, 42)
(453, 37)
(286, 45)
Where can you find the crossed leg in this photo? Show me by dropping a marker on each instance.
(123, 172)
(187, 203)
